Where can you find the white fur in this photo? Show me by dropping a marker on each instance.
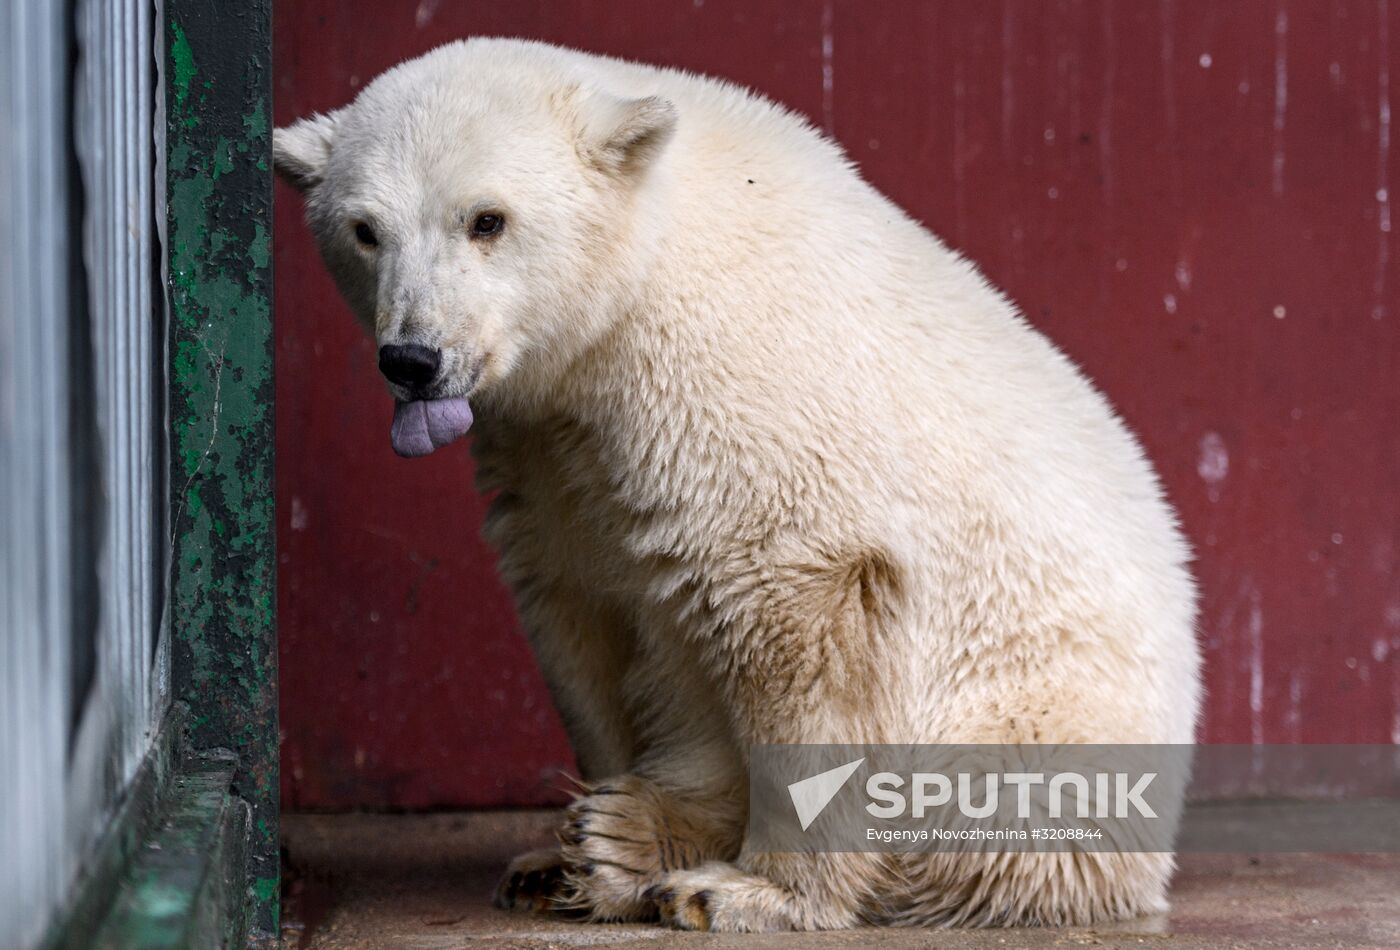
(774, 465)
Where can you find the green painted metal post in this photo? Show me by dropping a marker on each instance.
(217, 68)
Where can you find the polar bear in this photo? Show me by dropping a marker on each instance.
(771, 464)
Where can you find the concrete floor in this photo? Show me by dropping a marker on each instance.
(425, 881)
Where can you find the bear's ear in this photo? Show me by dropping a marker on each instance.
(301, 150)
(622, 136)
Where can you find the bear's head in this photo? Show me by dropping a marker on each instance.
(486, 218)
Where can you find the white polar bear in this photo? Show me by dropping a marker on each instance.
(773, 465)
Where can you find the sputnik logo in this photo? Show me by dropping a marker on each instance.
(811, 795)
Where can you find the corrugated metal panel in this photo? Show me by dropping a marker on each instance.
(34, 463)
(81, 423)
(114, 101)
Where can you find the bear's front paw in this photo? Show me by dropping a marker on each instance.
(720, 897)
(679, 907)
(616, 843)
(534, 882)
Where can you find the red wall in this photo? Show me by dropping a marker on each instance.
(1190, 198)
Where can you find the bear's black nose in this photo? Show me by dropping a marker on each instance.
(409, 365)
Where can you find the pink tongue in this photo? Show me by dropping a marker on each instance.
(423, 425)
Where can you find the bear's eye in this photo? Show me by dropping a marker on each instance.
(488, 225)
(365, 235)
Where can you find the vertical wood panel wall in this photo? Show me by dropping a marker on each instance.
(1193, 199)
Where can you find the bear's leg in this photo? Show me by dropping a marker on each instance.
(584, 651)
(802, 661)
(683, 803)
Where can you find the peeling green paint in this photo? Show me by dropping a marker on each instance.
(221, 395)
(182, 61)
(266, 888)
